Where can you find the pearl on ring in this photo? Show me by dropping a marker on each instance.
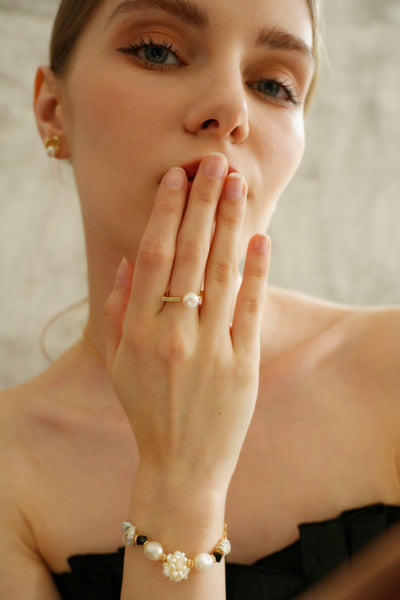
(191, 300)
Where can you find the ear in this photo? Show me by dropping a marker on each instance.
(48, 108)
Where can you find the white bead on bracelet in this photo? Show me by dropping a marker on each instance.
(176, 566)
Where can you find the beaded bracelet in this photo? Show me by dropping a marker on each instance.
(176, 566)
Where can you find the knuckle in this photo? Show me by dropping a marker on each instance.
(154, 254)
(202, 196)
(224, 271)
(188, 250)
(173, 348)
(167, 208)
(253, 304)
(259, 271)
(136, 335)
(232, 218)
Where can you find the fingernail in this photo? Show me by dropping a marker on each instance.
(175, 179)
(122, 273)
(215, 166)
(234, 186)
(261, 243)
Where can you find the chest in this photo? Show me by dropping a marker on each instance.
(319, 444)
(311, 452)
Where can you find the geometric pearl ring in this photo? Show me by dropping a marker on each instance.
(176, 566)
(190, 300)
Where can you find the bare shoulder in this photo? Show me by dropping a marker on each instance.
(18, 548)
(381, 330)
(49, 427)
(37, 426)
(13, 429)
(347, 355)
(362, 343)
(291, 319)
(21, 409)
(371, 345)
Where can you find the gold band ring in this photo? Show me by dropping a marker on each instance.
(189, 300)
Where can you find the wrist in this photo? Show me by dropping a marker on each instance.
(184, 514)
(179, 490)
(191, 478)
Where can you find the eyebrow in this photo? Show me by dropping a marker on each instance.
(274, 38)
(184, 10)
(278, 39)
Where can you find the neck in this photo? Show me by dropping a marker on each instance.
(103, 260)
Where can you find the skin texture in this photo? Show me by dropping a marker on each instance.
(125, 162)
(107, 87)
(282, 384)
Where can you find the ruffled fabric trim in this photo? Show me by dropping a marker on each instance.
(92, 577)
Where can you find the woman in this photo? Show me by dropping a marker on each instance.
(183, 122)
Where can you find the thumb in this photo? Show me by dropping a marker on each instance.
(115, 310)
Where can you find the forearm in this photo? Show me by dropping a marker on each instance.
(180, 517)
(187, 378)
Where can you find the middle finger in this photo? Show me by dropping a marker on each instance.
(194, 237)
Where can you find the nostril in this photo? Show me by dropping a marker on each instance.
(210, 123)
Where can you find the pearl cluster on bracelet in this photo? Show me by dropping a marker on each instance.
(176, 566)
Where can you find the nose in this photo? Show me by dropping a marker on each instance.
(218, 107)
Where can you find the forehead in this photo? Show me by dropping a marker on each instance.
(233, 16)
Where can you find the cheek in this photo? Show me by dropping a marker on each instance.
(112, 130)
(105, 118)
(280, 147)
(283, 150)
(112, 137)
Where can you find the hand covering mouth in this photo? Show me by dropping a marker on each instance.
(192, 167)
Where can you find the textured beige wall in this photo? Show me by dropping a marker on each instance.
(335, 233)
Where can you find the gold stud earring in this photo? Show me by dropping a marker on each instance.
(52, 145)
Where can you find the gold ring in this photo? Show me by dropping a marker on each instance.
(190, 300)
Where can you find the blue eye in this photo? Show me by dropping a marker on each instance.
(275, 89)
(153, 54)
(269, 87)
(156, 54)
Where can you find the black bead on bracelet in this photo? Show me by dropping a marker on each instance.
(176, 566)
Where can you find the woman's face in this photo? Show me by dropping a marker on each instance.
(160, 83)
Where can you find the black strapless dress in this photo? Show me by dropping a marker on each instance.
(321, 547)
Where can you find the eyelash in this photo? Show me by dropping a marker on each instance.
(134, 48)
(285, 86)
